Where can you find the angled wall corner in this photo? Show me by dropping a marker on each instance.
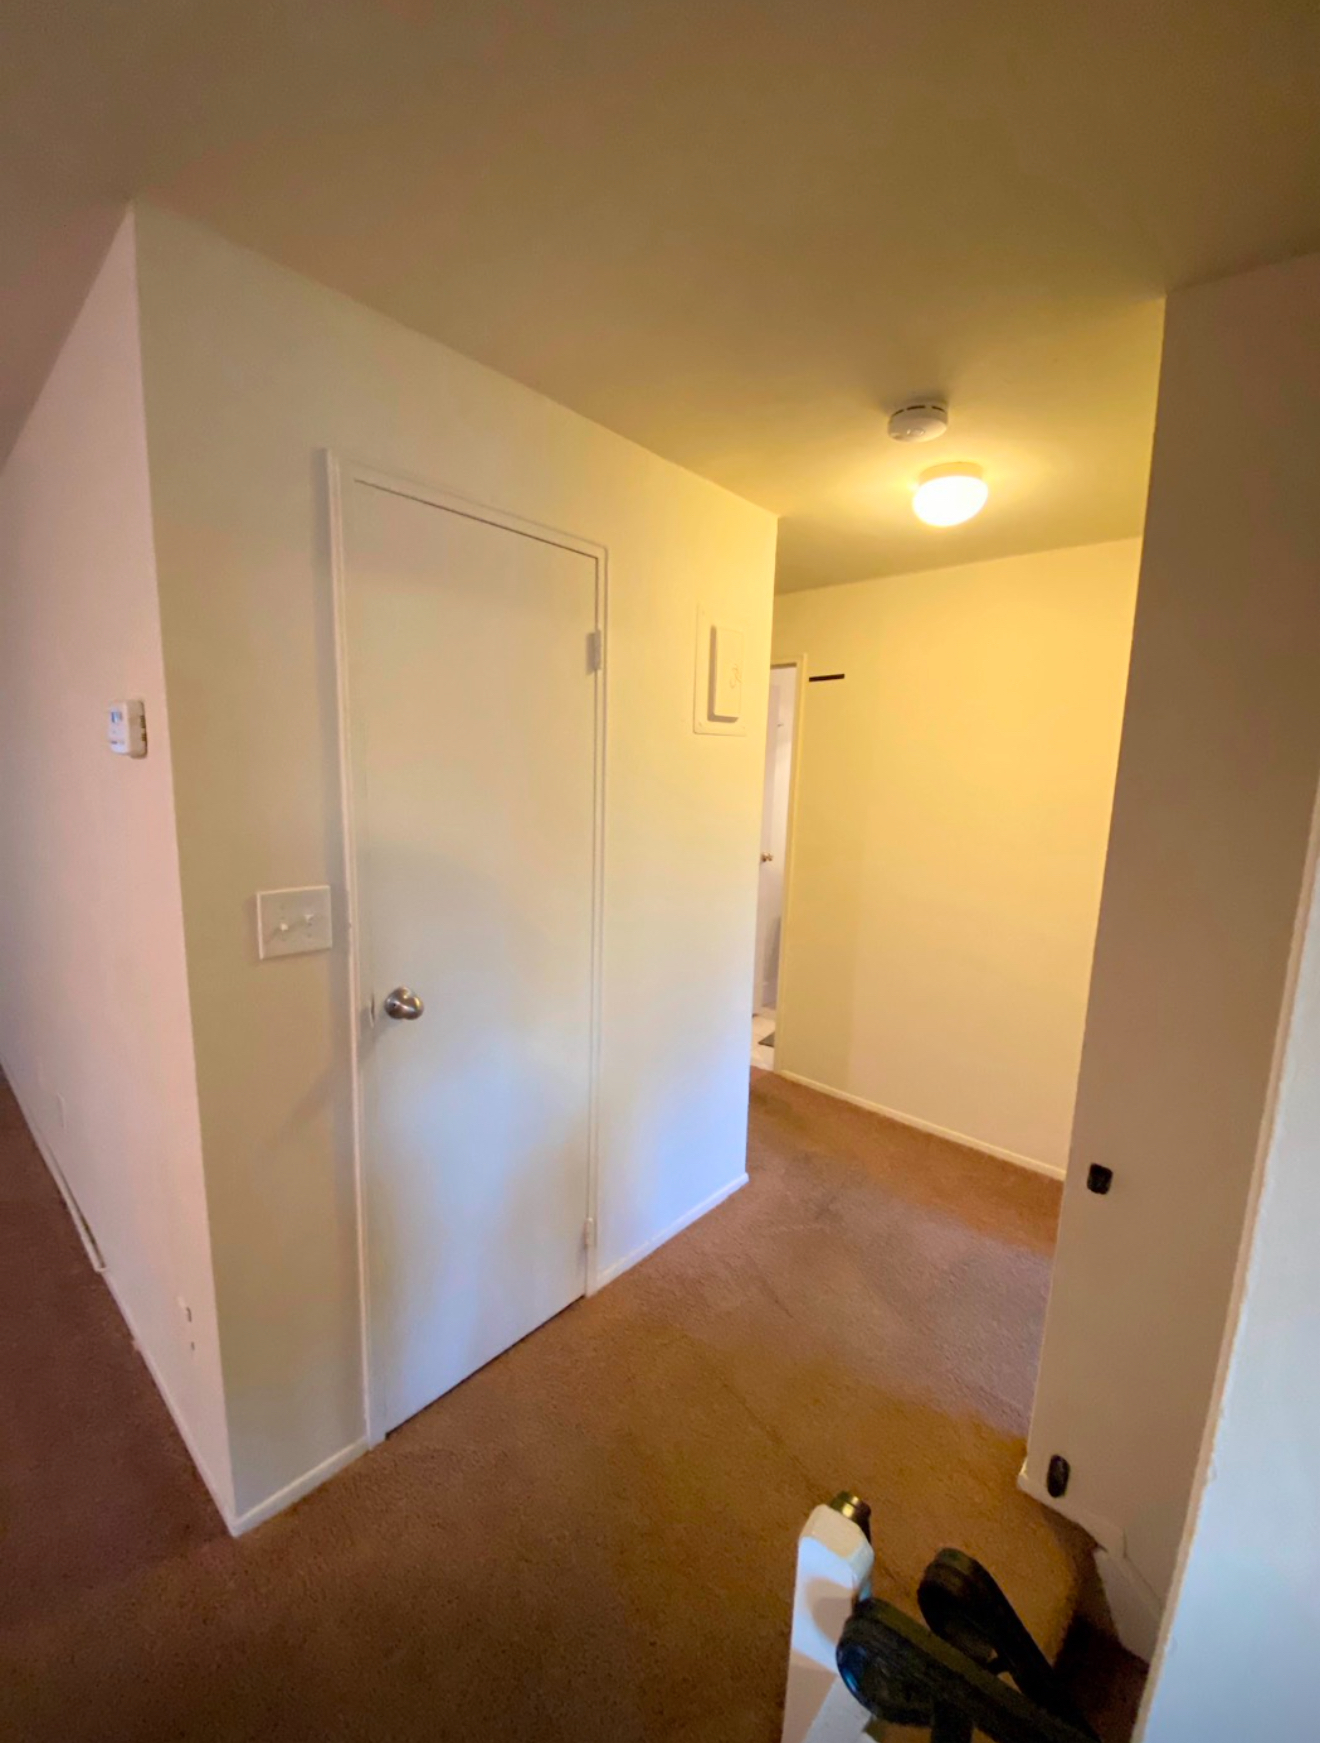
(95, 1028)
(1217, 777)
(1238, 1653)
(251, 372)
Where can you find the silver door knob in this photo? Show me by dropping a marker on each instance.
(404, 1005)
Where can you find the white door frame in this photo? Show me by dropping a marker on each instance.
(797, 663)
(341, 474)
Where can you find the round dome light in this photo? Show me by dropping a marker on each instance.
(948, 495)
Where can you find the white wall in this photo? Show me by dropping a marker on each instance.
(1221, 748)
(953, 798)
(1239, 1658)
(94, 1019)
(250, 372)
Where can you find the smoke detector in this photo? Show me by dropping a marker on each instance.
(922, 421)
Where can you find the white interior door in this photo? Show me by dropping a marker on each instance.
(780, 723)
(766, 886)
(472, 710)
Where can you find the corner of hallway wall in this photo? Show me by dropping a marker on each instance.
(95, 1032)
(951, 812)
(1238, 1649)
(1212, 813)
(251, 372)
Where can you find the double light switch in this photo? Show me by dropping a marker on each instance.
(291, 921)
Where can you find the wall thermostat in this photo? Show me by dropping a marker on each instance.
(127, 733)
(726, 672)
(720, 677)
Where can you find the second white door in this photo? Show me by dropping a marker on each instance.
(471, 698)
(780, 723)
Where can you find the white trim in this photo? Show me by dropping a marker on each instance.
(675, 1228)
(102, 1270)
(223, 1506)
(339, 472)
(236, 1525)
(798, 664)
(1134, 1610)
(602, 561)
(299, 1487)
(1052, 1169)
(1109, 1536)
(338, 572)
(94, 1255)
(1204, 1474)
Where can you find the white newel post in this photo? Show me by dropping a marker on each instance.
(833, 1569)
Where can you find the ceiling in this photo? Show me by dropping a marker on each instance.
(737, 232)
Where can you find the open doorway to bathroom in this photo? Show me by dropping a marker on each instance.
(779, 738)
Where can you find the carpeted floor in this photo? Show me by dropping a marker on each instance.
(592, 1540)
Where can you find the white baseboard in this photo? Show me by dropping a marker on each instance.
(98, 1263)
(235, 1523)
(223, 1506)
(1108, 1535)
(299, 1487)
(1052, 1169)
(675, 1228)
(56, 1173)
(1134, 1609)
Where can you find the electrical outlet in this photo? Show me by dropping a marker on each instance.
(61, 1113)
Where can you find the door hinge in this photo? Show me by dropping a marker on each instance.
(595, 650)
(589, 1232)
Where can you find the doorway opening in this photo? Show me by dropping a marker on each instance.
(780, 732)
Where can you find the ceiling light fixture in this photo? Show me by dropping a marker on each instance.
(948, 495)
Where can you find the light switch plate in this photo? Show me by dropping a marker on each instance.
(292, 921)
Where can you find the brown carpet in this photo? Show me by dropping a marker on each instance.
(592, 1540)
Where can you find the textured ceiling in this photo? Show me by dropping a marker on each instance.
(737, 232)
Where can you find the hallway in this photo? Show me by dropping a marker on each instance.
(593, 1538)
